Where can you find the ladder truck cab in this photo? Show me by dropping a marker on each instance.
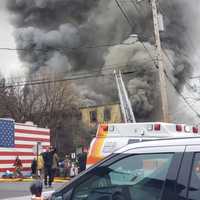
(111, 137)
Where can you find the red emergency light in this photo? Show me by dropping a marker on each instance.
(103, 129)
(195, 130)
(157, 127)
(178, 128)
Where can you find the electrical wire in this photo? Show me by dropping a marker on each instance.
(124, 14)
(194, 49)
(47, 49)
(181, 95)
(171, 63)
(103, 69)
(47, 81)
(130, 24)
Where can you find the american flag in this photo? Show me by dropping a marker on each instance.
(20, 140)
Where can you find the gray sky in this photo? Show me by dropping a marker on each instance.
(9, 62)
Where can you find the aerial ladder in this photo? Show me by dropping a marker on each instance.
(125, 103)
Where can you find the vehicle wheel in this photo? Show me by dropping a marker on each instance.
(118, 196)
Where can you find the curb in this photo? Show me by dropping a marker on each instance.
(14, 180)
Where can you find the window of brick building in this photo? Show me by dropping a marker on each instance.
(93, 116)
(107, 114)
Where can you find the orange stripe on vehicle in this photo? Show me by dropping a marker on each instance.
(96, 150)
(92, 160)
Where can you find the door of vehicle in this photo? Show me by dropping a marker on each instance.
(188, 182)
(142, 173)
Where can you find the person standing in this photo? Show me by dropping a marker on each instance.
(34, 167)
(82, 161)
(48, 161)
(67, 166)
(40, 166)
(55, 163)
(18, 167)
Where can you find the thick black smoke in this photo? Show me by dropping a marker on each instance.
(54, 32)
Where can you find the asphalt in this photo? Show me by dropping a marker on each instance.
(19, 190)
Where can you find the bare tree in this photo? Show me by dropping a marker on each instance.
(53, 105)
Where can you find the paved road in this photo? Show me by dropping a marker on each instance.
(11, 190)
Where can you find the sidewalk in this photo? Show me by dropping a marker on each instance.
(13, 180)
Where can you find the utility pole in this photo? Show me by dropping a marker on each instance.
(163, 84)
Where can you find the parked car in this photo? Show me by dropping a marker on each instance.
(154, 170)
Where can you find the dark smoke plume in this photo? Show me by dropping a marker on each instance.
(58, 26)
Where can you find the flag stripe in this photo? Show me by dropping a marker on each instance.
(16, 150)
(11, 161)
(32, 139)
(14, 157)
(32, 132)
(29, 146)
(31, 142)
(31, 135)
(16, 153)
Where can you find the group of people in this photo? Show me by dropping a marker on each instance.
(46, 165)
(71, 167)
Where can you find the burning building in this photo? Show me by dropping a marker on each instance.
(83, 36)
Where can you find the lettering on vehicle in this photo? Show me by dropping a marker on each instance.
(109, 147)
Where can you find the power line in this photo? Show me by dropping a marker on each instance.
(183, 97)
(166, 54)
(192, 46)
(108, 71)
(195, 77)
(137, 9)
(102, 69)
(131, 25)
(64, 48)
(171, 63)
(198, 115)
(124, 14)
(46, 81)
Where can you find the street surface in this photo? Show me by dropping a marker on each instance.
(13, 190)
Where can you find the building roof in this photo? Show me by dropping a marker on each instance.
(100, 105)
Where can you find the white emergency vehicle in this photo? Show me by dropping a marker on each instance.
(111, 137)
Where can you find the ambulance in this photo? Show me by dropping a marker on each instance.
(111, 137)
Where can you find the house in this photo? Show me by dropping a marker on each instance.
(93, 115)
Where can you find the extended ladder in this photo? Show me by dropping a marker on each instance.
(125, 103)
